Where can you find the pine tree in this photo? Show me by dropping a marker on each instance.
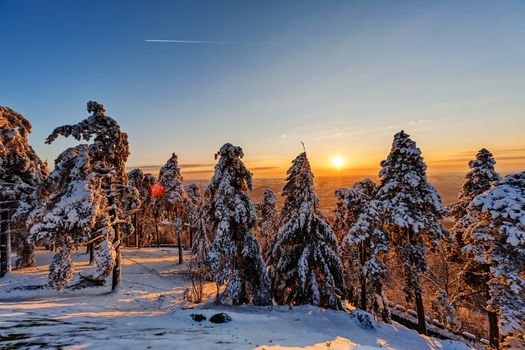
(235, 256)
(269, 219)
(304, 265)
(68, 210)
(477, 181)
(474, 275)
(495, 238)
(364, 246)
(21, 171)
(143, 218)
(175, 198)
(82, 201)
(411, 210)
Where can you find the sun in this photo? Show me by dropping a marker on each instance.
(338, 162)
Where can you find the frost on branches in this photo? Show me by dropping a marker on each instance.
(175, 199)
(304, 264)
(350, 202)
(269, 219)
(82, 200)
(411, 210)
(496, 238)
(477, 181)
(171, 179)
(235, 256)
(21, 171)
(364, 246)
(68, 211)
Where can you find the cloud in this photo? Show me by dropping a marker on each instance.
(259, 168)
(182, 166)
(499, 151)
(189, 41)
(467, 159)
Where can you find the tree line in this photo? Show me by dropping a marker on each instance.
(255, 252)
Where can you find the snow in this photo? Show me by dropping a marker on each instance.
(151, 312)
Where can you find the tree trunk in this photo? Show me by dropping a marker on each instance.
(493, 329)
(91, 249)
(421, 325)
(191, 237)
(4, 257)
(363, 279)
(158, 234)
(117, 270)
(363, 294)
(136, 225)
(178, 228)
(179, 243)
(8, 243)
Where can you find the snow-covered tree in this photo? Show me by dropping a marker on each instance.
(411, 210)
(349, 204)
(474, 275)
(477, 181)
(175, 199)
(143, 219)
(21, 171)
(268, 220)
(364, 246)
(304, 265)
(70, 211)
(235, 256)
(495, 237)
(82, 200)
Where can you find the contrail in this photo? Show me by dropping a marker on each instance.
(189, 41)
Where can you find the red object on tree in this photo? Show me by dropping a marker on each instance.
(157, 190)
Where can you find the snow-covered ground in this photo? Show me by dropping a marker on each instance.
(151, 313)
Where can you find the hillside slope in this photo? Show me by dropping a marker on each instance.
(151, 313)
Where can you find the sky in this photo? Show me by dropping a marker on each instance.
(341, 76)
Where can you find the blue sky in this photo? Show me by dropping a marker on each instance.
(342, 76)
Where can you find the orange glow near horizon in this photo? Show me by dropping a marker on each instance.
(327, 164)
(338, 162)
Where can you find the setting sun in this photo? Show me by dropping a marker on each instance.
(338, 162)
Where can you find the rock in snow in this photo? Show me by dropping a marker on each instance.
(220, 318)
(198, 317)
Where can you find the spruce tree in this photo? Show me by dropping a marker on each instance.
(235, 256)
(477, 181)
(411, 209)
(269, 219)
(21, 171)
(175, 199)
(364, 246)
(474, 275)
(304, 265)
(84, 197)
(495, 239)
(68, 211)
